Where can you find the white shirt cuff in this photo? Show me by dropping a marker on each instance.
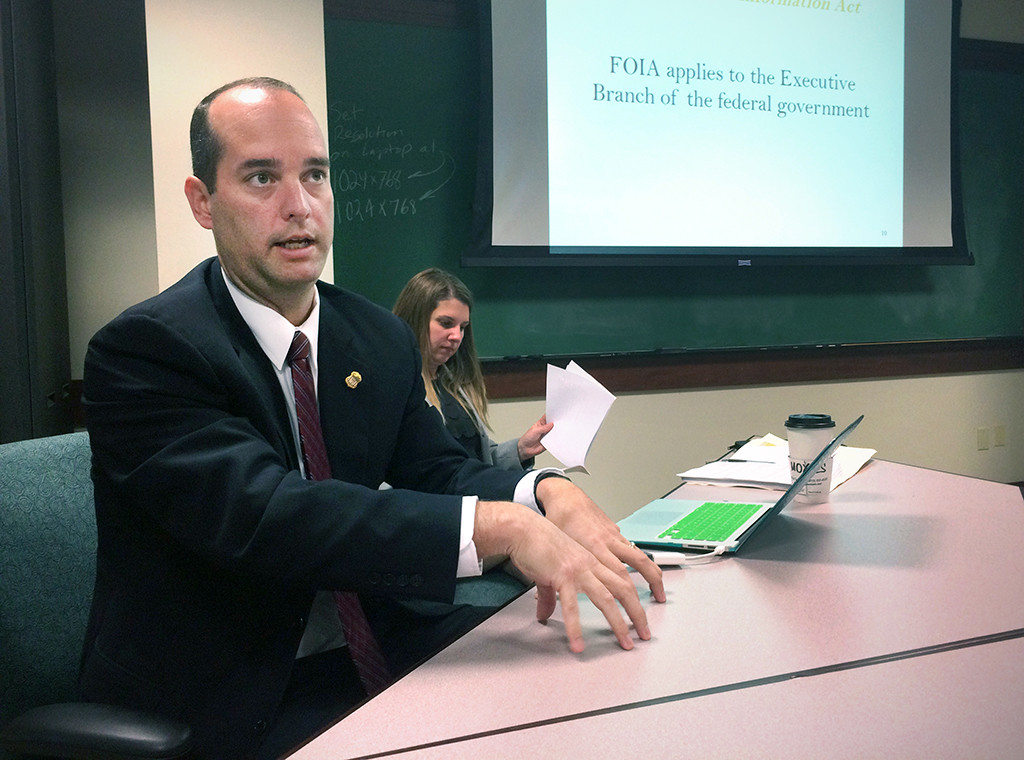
(525, 492)
(469, 562)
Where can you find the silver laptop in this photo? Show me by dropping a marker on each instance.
(683, 524)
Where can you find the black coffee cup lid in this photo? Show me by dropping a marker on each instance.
(810, 421)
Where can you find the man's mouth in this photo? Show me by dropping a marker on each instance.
(295, 244)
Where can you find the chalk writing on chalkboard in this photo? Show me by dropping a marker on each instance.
(380, 171)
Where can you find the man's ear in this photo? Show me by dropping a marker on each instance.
(199, 199)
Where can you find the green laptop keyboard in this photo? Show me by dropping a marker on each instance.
(711, 521)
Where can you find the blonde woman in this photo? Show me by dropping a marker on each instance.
(437, 306)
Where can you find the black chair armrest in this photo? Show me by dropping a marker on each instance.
(85, 731)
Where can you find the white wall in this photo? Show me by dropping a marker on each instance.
(194, 47)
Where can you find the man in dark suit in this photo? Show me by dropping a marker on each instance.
(218, 552)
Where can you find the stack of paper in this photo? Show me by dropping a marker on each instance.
(764, 463)
(577, 404)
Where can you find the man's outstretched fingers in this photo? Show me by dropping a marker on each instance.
(604, 600)
(571, 617)
(546, 602)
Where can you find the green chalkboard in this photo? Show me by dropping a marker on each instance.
(402, 124)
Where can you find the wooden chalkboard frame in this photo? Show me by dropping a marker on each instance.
(525, 378)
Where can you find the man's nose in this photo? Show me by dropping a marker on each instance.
(294, 200)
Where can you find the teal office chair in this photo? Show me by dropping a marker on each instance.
(47, 570)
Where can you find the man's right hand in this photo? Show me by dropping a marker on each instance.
(561, 568)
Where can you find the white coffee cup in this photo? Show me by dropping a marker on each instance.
(808, 434)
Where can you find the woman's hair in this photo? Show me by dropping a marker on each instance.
(461, 372)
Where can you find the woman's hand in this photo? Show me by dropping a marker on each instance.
(529, 444)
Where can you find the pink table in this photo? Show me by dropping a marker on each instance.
(906, 574)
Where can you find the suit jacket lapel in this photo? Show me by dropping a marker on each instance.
(265, 386)
(343, 412)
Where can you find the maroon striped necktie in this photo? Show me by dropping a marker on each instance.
(363, 647)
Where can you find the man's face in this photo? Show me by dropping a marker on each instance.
(273, 210)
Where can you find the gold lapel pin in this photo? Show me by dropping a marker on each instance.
(353, 380)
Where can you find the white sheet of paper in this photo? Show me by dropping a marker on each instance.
(576, 404)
